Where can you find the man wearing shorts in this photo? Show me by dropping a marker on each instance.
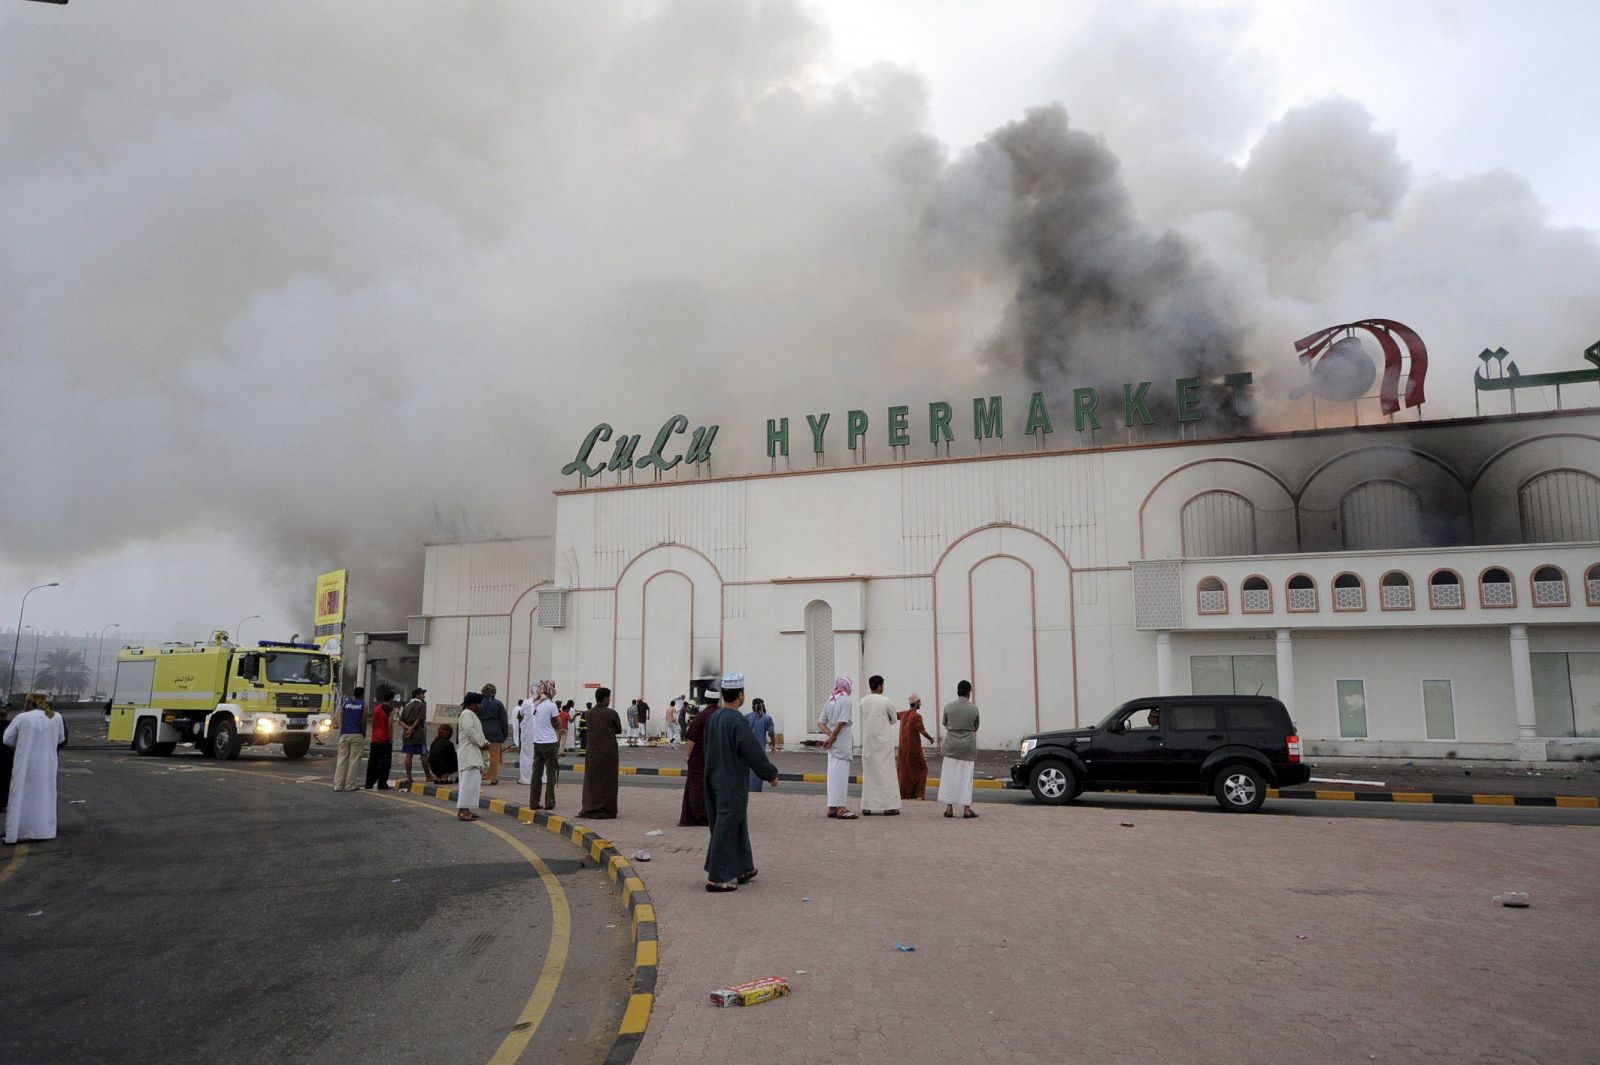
(414, 732)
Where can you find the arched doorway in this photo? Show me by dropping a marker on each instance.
(820, 673)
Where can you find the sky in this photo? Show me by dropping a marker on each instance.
(291, 287)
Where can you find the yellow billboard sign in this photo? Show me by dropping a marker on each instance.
(331, 602)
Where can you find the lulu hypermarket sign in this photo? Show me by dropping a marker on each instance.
(675, 442)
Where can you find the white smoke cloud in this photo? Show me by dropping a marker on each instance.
(322, 283)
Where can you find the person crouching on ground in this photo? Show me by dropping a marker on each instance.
(472, 756)
(732, 755)
(442, 756)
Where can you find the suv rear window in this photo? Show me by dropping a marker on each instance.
(1192, 718)
(1254, 716)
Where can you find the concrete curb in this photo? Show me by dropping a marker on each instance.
(641, 910)
(1571, 802)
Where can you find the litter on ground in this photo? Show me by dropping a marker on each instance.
(1517, 900)
(903, 948)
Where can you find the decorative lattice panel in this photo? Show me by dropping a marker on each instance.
(1349, 598)
(552, 611)
(1157, 596)
(1550, 593)
(1257, 600)
(1498, 593)
(1444, 596)
(1594, 593)
(1396, 596)
(1213, 601)
(1302, 600)
(417, 630)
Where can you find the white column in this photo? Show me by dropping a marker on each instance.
(1164, 663)
(1529, 747)
(1283, 650)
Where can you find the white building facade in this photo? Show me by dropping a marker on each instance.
(1427, 589)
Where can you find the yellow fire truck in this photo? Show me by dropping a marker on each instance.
(219, 697)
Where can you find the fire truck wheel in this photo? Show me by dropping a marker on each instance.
(293, 749)
(225, 741)
(203, 745)
(144, 738)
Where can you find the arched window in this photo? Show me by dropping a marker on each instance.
(1549, 586)
(819, 654)
(1213, 596)
(1394, 591)
(1218, 525)
(1591, 584)
(1444, 590)
(1255, 596)
(1381, 516)
(1560, 506)
(1349, 593)
(1495, 588)
(1301, 593)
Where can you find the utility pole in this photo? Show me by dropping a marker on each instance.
(100, 654)
(16, 645)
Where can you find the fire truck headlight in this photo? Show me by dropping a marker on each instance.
(266, 724)
(324, 725)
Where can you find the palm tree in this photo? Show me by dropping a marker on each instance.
(64, 673)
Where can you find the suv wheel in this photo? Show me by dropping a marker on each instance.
(1051, 782)
(1240, 789)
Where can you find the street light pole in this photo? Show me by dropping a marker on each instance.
(16, 645)
(238, 632)
(33, 670)
(100, 654)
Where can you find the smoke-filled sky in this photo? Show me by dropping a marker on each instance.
(297, 285)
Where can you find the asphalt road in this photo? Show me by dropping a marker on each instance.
(196, 912)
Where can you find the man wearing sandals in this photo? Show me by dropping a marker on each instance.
(472, 756)
(732, 754)
(960, 752)
(837, 718)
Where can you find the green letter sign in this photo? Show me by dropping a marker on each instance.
(777, 437)
(939, 422)
(987, 420)
(898, 436)
(855, 428)
(1084, 402)
(1133, 403)
(819, 425)
(1038, 416)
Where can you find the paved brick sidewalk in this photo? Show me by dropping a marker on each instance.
(1046, 934)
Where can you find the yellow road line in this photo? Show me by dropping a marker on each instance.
(637, 1015)
(555, 959)
(19, 853)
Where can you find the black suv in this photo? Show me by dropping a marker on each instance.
(1233, 746)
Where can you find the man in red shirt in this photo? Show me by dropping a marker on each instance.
(381, 754)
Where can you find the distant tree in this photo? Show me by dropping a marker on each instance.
(64, 673)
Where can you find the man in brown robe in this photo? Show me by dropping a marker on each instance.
(600, 759)
(913, 765)
(694, 788)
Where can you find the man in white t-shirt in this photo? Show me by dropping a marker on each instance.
(546, 745)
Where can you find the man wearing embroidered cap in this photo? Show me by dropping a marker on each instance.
(732, 754)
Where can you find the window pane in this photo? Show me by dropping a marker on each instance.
(1552, 694)
(1211, 674)
(1193, 718)
(1248, 717)
(1352, 709)
(1255, 675)
(1438, 706)
(1585, 669)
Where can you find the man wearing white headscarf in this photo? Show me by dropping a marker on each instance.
(36, 734)
(544, 736)
(837, 718)
(523, 718)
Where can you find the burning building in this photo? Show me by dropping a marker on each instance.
(1423, 588)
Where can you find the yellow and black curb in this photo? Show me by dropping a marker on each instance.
(1568, 802)
(641, 910)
